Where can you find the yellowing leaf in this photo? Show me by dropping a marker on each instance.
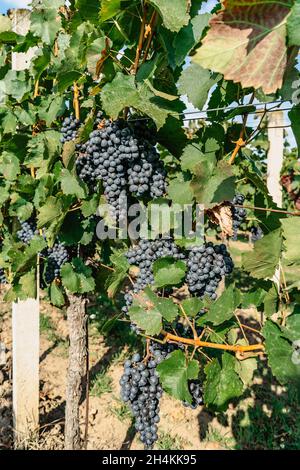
(247, 43)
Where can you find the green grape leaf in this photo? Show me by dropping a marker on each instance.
(283, 359)
(9, 166)
(174, 13)
(262, 262)
(150, 321)
(49, 211)
(56, 295)
(195, 82)
(70, 278)
(216, 188)
(222, 382)
(174, 373)
(291, 228)
(291, 330)
(166, 307)
(245, 369)
(189, 36)
(294, 116)
(293, 22)
(28, 285)
(109, 9)
(168, 272)
(224, 307)
(122, 92)
(45, 23)
(70, 184)
(192, 306)
(180, 191)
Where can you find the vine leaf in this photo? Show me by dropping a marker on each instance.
(96, 54)
(245, 369)
(70, 184)
(122, 92)
(210, 189)
(56, 295)
(45, 23)
(149, 321)
(195, 82)
(188, 37)
(281, 354)
(192, 157)
(50, 211)
(264, 259)
(294, 116)
(192, 306)
(174, 373)
(222, 382)
(291, 228)
(109, 8)
(180, 191)
(293, 25)
(148, 310)
(291, 330)
(116, 278)
(167, 271)
(223, 308)
(174, 13)
(247, 44)
(77, 277)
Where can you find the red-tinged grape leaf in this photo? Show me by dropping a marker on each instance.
(247, 43)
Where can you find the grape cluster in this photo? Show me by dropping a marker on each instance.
(3, 279)
(26, 232)
(207, 264)
(57, 256)
(196, 391)
(256, 234)
(69, 128)
(143, 255)
(238, 214)
(120, 156)
(140, 388)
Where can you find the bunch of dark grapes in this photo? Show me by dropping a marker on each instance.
(69, 128)
(207, 264)
(57, 256)
(238, 214)
(256, 234)
(3, 279)
(119, 155)
(196, 391)
(143, 256)
(140, 388)
(26, 232)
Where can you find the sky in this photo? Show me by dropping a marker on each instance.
(6, 4)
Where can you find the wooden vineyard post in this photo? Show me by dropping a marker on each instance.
(25, 314)
(274, 165)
